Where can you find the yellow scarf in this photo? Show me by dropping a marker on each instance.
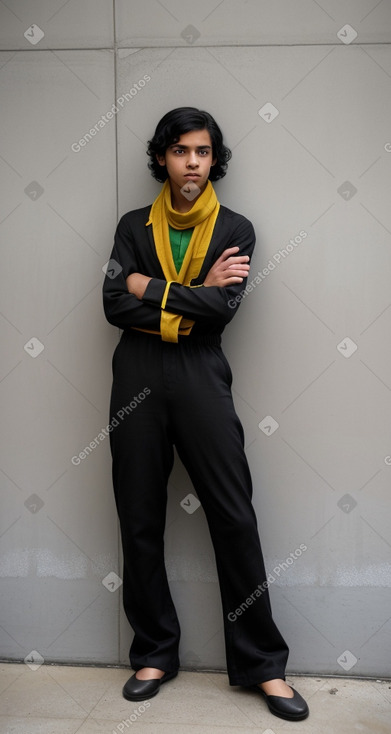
(202, 216)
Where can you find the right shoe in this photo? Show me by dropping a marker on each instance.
(139, 690)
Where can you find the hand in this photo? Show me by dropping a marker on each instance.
(137, 283)
(228, 269)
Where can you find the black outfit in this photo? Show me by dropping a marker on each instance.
(189, 405)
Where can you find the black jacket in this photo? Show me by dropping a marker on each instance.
(210, 307)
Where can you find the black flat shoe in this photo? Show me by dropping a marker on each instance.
(139, 690)
(292, 709)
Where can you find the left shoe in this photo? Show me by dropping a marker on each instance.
(292, 709)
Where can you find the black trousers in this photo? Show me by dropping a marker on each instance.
(168, 394)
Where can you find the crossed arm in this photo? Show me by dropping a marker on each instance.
(135, 300)
(227, 270)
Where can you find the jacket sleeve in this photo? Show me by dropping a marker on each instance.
(205, 303)
(123, 309)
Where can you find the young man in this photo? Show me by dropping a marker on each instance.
(177, 267)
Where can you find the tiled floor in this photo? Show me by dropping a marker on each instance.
(87, 700)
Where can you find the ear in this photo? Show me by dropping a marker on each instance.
(161, 159)
(213, 162)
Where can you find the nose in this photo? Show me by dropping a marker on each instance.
(192, 159)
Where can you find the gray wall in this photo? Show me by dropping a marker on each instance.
(310, 346)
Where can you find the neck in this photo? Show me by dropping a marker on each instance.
(179, 202)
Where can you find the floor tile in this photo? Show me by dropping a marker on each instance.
(88, 700)
(32, 725)
(188, 698)
(35, 693)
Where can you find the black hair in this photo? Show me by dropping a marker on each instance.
(184, 120)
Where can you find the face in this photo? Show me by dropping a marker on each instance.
(189, 160)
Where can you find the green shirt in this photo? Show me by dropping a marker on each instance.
(179, 240)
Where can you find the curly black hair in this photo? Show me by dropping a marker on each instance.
(184, 120)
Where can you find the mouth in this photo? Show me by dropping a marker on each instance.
(192, 175)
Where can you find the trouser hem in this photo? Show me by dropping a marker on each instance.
(254, 679)
(168, 668)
